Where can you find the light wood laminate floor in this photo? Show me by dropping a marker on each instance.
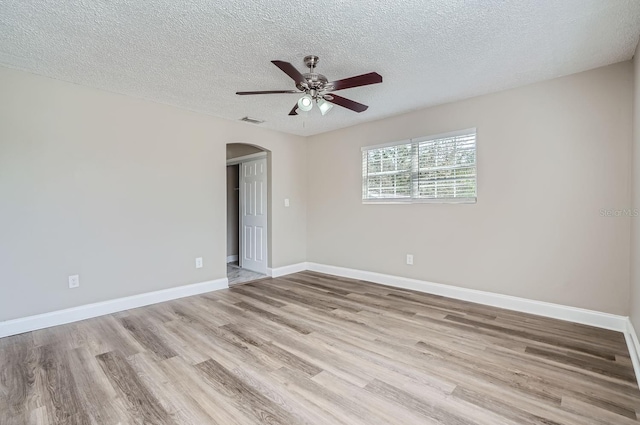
(315, 349)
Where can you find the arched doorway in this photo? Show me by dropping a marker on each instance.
(247, 212)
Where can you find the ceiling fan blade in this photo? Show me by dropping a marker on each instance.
(346, 103)
(291, 71)
(357, 81)
(243, 93)
(293, 111)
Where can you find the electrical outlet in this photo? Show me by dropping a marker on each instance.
(410, 259)
(286, 202)
(74, 281)
(199, 263)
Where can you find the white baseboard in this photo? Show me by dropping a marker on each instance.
(232, 258)
(74, 314)
(282, 271)
(634, 348)
(540, 308)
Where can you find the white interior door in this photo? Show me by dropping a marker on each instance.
(253, 215)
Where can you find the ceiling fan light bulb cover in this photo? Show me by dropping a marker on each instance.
(305, 103)
(324, 106)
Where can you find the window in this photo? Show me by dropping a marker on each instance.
(429, 169)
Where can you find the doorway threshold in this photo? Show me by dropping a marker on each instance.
(238, 276)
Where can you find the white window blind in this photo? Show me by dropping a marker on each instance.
(430, 169)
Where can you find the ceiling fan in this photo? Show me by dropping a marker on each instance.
(318, 89)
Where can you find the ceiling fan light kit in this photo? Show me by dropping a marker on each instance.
(316, 87)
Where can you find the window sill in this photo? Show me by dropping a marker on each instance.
(421, 201)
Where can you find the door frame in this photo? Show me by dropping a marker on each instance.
(247, 158)
(239, 161)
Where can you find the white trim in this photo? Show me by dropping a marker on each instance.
(285, 270)
(540, 308)
(634, 348)
(421, 139)
(409, 201)
(87, 311)
(232, 258)
(250, 157)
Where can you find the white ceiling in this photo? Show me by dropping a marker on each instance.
(197, 53)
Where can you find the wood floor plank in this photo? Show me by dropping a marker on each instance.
(106, 333)
(278, 393)
(595, 414)
(503, 409)
(243, 396)
(601, 367)
(350, 411)
(388, 411)
(188, 382)
(97, 396)
(147, 337)
(570, 381)
(38, 416)
(179, 404)
(286, 358)
(425, 408)
(19, 371)
(60, 392)
(314, 349)
(271, 317)
(141, 403)
(526, 335)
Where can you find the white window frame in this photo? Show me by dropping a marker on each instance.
(414, 171)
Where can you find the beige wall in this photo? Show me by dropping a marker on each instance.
(635, 197)
(233, 198)
(124, 192)
(551, 156)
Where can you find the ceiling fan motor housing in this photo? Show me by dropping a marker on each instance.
(314, 82)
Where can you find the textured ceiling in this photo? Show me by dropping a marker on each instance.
(197, 53)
